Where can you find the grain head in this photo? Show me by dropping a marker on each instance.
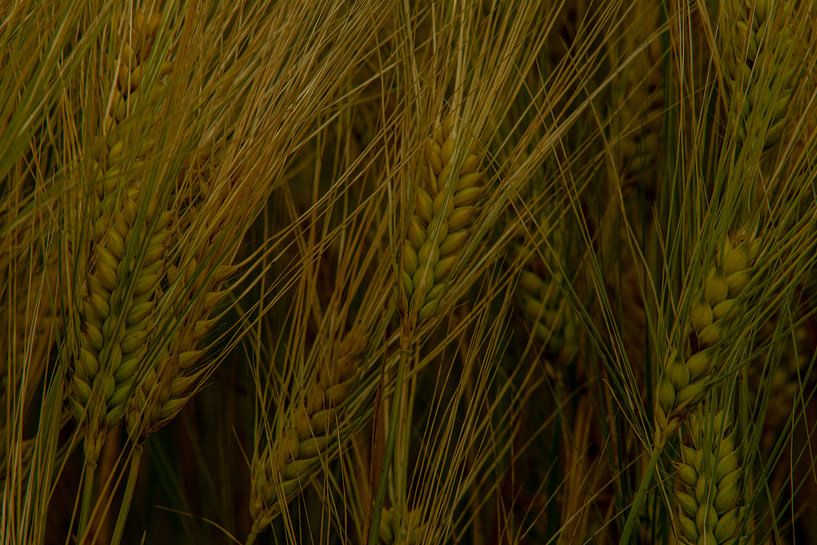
(309, 437)
(123, 258)
(446, 201)
(709, 497)
(689, 372)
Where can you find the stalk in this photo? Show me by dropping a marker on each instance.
(124, 509)
(377, 507)
(401, 457)
(87, 498)
(640, 495)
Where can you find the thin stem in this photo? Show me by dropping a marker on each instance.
(374, 528)
(640, 495)
(401, 457)
(251, 538)
(87, 498)
(124, 509)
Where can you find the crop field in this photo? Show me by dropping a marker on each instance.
(408, 272)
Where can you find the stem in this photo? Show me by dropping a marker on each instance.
(401, 456)
(251, 538)
(374, 529)
(640, 495)
(87, 498)
(124, 509)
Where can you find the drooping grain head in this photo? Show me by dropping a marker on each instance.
(639, 99)
(757, 48)
(176, 374)
(686, 380)
(309, 437)
(123, 258)
(446, 201)
(30, 325)
(788, 363)
(30, 329)
(710, 477)
(410, 531)
(540, 294)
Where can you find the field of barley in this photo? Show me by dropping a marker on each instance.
(408, 272)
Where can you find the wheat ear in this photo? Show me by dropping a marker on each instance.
(445, 204)
(711, 478)
(29, 334)
(285, 466)
(757, 43)
(410, 533)
(175, 376)
(641, 104)
(124, 264)
(685, 381)
(540, 297)
(785, 380)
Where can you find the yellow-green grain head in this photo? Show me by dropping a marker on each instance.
(710, 479)
(446, 202)
(686, 379)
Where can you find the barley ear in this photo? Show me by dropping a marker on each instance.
(124, 261)
(540, 295)
(757, 45)
(686, 380)
(176, 374)
(710, 479)
(784, 379)
(308, 437)
(410, 531)
(640, 105)
(446, 201)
